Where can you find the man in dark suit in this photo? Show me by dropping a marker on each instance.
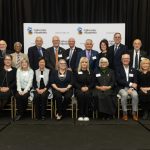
(71, 54)
(3, 52)
(115, 52)
(92, 55)
(126, 78)
(136, 54)
(35, 52)
(54, 54)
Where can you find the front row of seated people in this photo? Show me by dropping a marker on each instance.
(99, 87)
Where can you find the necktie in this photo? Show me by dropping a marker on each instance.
(115, 50)
(40, 51)
(56, 57)
(18, 61)
(88, 55)
(136, 61)
(70, 56)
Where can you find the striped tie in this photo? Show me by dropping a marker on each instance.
(18, 61)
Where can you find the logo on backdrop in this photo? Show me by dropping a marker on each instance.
(29, 29)
(79, 29)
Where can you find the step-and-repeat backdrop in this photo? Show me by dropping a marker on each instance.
(80, 32)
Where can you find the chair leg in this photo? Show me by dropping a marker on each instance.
(51, 108)
(118, 108)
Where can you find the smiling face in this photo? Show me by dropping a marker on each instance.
(145, 65)
(55, 41)
(117, 38)
(62, 64)
(3, 45)
(8, 61)
(84, 64)
(125, 59)
(38, 41)
(137, 44)
(71, 42)
(42, 64)
(17, 47)
(88, 44)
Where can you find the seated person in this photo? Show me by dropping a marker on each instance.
(61, 82)
(144, 87)
(104, 94)
(41, 86)
(83, 83)
(126, 78)
(7, 81)
(24, 84)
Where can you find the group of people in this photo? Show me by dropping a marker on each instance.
(94, 78)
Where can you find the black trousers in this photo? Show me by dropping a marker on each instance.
(4, 98)
(40, 101)
(62, 100)
(83, 99)
(22, 102)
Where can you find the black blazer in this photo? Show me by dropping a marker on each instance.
(50, 57)
(142, 54)
(34, 55)
(73, 59)
(121, 77)
(115, 60)
(2, 58)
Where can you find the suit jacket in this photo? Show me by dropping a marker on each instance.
(92, 61)
(34, 55)
(50, 57)
(142, 54)
(14, 58)
(115, 59)
(121, 77)
(2, 58)
(72, 63)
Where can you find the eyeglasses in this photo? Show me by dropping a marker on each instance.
(8, 59)
(117, 37)
(62, 63)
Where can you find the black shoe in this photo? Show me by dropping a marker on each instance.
(145, 116)
(18, 118)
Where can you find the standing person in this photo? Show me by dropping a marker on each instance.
(35, 52)
(104, 48)
(137, 54)
(17, 56)
(41, 85)
(116, 51)
(7, 81)
(24, 84)
(144, 87)
(54, 54)
(104, 93)
(71, 54)
(3, 52)
(126, 77)
(61, 82)
(89, 53)
(83, 83)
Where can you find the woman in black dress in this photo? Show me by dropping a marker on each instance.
(83, 83)
(104, 94)
(7, 81)
(61, 82)
(144, 87)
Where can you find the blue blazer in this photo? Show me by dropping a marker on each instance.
(121, 77)
(92, 61)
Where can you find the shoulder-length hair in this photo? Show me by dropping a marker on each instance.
(145, 60)
(60, 62)
(27, 61)
(81, 60)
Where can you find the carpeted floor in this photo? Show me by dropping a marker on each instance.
(69, 134)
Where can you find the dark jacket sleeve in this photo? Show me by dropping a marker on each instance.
(34, 81)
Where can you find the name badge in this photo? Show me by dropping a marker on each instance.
(41, 76)
(10, 69)
(80, 72)
(131, 75)
(98, 75)
(61, 75)
(60, 55)
(94, 57)
(68, 58)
